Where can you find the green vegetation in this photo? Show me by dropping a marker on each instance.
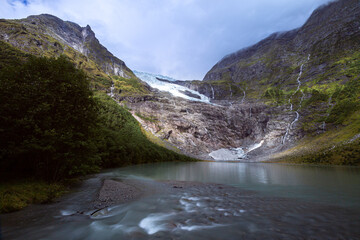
(31, 39)
(316, 97)
(122, 140)
(132, 86)
(47, 120)
(145, 118)
(10, 55)
(275, 95)
(17, 195)
(338, 145)
(342, 154)
(53, 127)
(335, 101)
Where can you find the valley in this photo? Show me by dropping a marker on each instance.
(266, 145)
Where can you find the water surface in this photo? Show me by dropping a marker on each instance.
(247, 201)
(335, 185)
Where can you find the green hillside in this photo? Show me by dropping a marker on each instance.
(55, 127)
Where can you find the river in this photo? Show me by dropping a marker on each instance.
(243, 201)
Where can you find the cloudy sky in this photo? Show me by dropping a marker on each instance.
(179, 38)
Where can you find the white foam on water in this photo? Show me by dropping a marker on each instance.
(67, 212)
(199, 227)
(155, 222)
(199, 204)
(221, 209)
(194, 198)
(97, 226)
(188, 205)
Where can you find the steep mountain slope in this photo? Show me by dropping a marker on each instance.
(313, 71)
(47, 35)
(330, 34)
(305, 82)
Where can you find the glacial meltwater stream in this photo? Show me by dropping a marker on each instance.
(223, 201)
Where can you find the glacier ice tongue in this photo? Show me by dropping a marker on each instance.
(174, 89)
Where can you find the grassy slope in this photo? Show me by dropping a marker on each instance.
(31, 39)
(335, 101)
(332, 97)
(18, 194)
(122, 142)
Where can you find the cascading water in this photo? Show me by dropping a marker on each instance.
(243, 99)
(213, 92)
(112, 88)
(291, 105)
(331, 105)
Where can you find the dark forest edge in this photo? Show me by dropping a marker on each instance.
(54, 127)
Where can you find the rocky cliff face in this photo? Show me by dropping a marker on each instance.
(47, 35)
(199, 128)
(82, 39)
(293, 79)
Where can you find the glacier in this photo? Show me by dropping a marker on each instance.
(175, 89)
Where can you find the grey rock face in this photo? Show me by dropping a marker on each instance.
(238, 81)
(81, 39)
(198, 128)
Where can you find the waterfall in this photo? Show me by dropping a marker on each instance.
(302, 99)
(112, 88)
(242, 100)
(291, 105)
(213, 93)
(298, 79)
(330, 106)
(230, 91)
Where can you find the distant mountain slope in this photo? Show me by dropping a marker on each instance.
(47, 35)
(311, 73)
(331, 34)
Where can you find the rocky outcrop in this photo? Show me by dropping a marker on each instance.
(82, 39)
(198, 128)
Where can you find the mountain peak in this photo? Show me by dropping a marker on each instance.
(82, 39)
(338, 19)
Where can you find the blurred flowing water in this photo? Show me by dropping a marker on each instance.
(255, 201)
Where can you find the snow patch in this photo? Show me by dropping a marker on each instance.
(225, 154)
(174, 89)
(231, 154)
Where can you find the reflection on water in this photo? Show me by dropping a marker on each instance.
(273, 209)
(336, 185)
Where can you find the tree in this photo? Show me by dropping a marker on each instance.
(48, 119)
